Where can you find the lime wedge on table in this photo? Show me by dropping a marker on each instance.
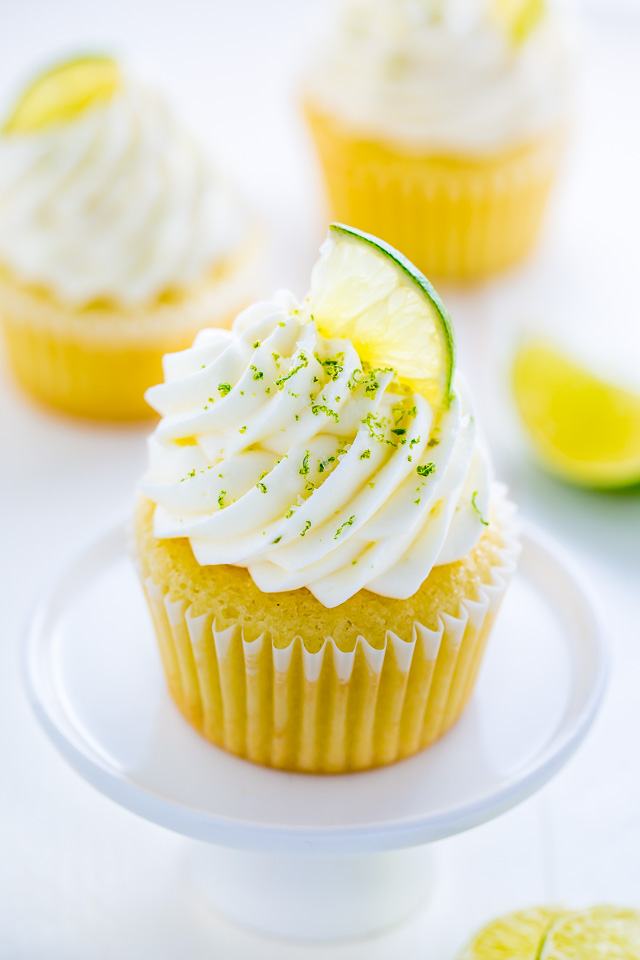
(364, 290)
(63, 92)
(584, 429)
(518, 936)
(602, 933)
(519, 17)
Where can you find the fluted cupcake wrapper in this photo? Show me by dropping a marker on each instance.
(454, 217)
(98, 361)
(329, 711)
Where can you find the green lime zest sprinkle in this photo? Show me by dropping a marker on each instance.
(189, 475)
(367, 380)
(332, 366)
(304, 469)
(221, 497)
(347, 523)
(304, 362)
(277, 540)
(477, 508)
(425, 469)
(306, 527)
(257, 374)
(262, 487)
(223, 389)
(376, 427)
(256, 345)
(365, 455)
(317, 408)
(413, 442)
(242, 429)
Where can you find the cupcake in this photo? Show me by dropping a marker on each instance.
(318, 536)
(118, 239)
(440, 125)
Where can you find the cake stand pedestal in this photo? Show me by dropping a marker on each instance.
(301, 856)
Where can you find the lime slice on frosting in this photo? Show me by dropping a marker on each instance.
(63, 92)
(602, 933)
(364, 290)
(518, 936)
(584, 429)
(519, 17)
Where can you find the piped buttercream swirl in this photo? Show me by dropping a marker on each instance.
(443, 74)
(119, 204)
(279, 452)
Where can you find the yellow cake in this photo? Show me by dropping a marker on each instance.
(230, 686)
(319, 541)
(118, 241)
(442, 132)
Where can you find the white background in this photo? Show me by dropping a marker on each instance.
(82, 878)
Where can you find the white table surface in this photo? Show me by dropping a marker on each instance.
(80, 877)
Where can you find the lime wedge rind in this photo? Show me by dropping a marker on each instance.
(416, 277)
(366, 291)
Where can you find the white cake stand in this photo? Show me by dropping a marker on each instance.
(296, 855)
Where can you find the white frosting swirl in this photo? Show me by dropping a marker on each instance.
(443, 74)
(278, 453)
(118, 204)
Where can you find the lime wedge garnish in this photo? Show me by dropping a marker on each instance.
(602, 932)
(63, 92)
(364, 290)
(519, 17)
(518, 936)
(584, 429)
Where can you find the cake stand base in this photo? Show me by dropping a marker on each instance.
(293, 855)
(301, 897)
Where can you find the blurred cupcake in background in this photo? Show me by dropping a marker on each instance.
(118, 239)
(440, 125)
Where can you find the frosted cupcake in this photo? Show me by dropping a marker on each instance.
(440, 124)
(118, 239)
(318, 536)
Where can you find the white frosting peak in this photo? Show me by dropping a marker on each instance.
(118, 204)
(277, 452)
(443, 74)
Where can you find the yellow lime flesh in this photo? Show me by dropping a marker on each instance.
(364, 290)
(517, 936)
(602, 933)
(584, 429)
(62, 93)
